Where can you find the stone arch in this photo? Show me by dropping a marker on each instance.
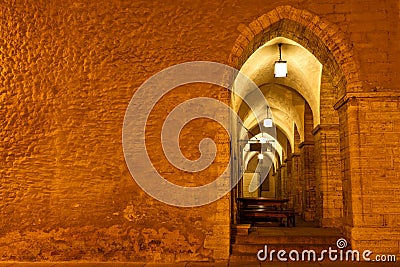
(340, 68)
(324, 39)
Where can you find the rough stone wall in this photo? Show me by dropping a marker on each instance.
(68, 71)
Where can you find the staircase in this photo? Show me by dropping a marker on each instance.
(247, 241)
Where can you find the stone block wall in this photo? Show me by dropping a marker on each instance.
(371, 166)
(68, 72)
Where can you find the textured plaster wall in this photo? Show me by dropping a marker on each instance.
(68, 72)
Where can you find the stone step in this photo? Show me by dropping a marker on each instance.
(246, 257)
(330, 240)
(254, 248)
(249, 252)
(243, 257)
(245, 247)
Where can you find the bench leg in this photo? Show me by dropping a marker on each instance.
(292, 220)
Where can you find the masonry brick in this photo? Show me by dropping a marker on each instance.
(68, 71)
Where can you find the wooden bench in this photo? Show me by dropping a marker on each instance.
(253, 215)
(252, 210)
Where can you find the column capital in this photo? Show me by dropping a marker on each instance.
(320, 127)
(306, 143)
(362, 95)
(295, 155)
(289, 158)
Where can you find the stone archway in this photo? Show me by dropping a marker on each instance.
(321, 38)
(340, 76)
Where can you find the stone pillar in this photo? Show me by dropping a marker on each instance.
(308, 181)
(296, 184)
(329, 203)
(278, 181)
(369, 143)
(289, 179)
(327, 158)
(297, 189)
(283, 181)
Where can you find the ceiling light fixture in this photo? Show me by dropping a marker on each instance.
(280, 65)
(268, 123)
(263, 140)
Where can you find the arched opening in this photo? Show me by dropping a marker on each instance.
(295, 102)
(320, 72)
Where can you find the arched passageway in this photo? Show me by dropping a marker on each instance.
(320, 71)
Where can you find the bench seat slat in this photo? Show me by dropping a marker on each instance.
(255, 214)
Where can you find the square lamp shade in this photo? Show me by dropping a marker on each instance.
(280, 69)
(258, 146)
(268, 123)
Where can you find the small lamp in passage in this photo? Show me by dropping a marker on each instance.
(268, 123)
(280, 65)
(263, 140)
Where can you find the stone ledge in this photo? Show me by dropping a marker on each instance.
(343, 100)
(320, 127)
(306, 143)
(241, 229)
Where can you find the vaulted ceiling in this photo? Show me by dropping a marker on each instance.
(287, 96)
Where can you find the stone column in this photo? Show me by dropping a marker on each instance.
(289, 179)
(369, 144)
(308, 181)
(283, 170)
(296, 185)
(278, 181)
(327, 157)
(327, 171)
(297, 189)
